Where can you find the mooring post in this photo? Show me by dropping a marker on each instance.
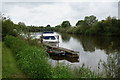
(41, 38)
(58, 41)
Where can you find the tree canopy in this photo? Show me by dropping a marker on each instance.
(90, 20)
(65, 24)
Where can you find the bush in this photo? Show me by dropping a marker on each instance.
(8, 28)
(15, 43)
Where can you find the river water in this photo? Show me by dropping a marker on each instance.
(91, 49)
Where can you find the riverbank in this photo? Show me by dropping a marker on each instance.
(10, 68)
(33, 61)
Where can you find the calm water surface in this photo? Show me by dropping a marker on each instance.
(91, 49)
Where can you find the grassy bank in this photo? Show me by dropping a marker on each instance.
(33, 61)
(10, 68)
(0, 60)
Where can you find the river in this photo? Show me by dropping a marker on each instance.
(91, 49)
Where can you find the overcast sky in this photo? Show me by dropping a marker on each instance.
(53, 13)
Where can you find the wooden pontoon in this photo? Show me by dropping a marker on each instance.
(68, 52)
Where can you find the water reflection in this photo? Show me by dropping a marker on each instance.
(70, 59)
(108, 44)
(91, 49)
(65, 37)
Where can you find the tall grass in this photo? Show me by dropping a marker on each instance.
(62, 71)
(9, 64)
(0, 60)
(111, 68)
(32, 60)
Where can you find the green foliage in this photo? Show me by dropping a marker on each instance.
(91, 26)
(58, 26)
(32, 60)
(1, 60)
(9, 64)
(14, 43)
(62, 71)
(65, 24)
(111, 67)
(84, 72)
(8, 28)
(40, 28)
(21, 27)
(90, 20)
(48, 26)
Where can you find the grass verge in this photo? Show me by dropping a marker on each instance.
(9, 64)
(0, 60)
(33, 61)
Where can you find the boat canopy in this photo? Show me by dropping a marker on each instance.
(48, 32)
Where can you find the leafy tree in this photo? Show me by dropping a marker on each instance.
(90, 20)
(21, 26)
(80, 22)
(58, 26)
(48, 26)
(21, 23)
(8, 27)
(65, 24)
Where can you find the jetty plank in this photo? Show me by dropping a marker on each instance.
(61, 48)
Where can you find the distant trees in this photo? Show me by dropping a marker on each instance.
(110, 26)
(48, 26)
(65, 24)
(90, 20)
(58, 26)
(21, 26)
(91, 26)
(80, 22)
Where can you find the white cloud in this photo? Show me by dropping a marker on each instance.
(53, 13)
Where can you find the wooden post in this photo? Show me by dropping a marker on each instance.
(41, 38)
(58, 41)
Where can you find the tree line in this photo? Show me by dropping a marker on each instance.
(89, 26)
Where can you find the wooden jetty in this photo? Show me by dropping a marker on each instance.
(69, 52)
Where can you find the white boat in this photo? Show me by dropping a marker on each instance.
(50, 37)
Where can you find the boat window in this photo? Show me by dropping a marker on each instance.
(48, 32)
(49, 37)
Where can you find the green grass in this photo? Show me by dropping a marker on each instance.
(33, 61)
(0, 60)
(9, 64)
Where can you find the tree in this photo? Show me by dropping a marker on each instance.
(90, 20)
(58, 26)
(8, 27)
(48, 25)
(21, 23)
(22, 26)
(80, 22)
(66, 24)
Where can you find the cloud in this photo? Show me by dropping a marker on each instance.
(53, 13)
